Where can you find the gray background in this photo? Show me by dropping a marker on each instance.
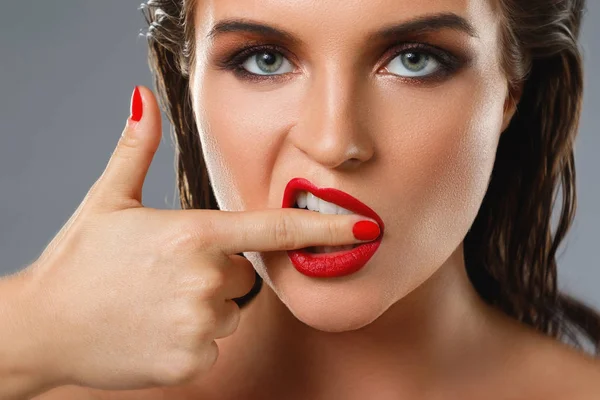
(67, 70)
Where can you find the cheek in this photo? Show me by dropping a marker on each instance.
(240, 129)
(460, 158)
(440, 157)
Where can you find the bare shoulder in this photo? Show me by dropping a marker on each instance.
(560, 371)
(577, 372)
(528, 364)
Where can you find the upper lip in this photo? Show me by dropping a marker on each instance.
(331, 195)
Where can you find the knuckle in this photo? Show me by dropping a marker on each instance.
(208, 322)
(180, 240)
(332, 231)
(185, 321)
(193, 327)
(212, 282)
(128, 141)
(284, 231)
(188, 369)
(185, 367)
(195, 235)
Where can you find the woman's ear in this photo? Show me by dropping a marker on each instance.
(513, 96)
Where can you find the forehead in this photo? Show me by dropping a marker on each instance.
(334, 20)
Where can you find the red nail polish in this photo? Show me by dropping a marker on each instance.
(136, 105)
(366, 230)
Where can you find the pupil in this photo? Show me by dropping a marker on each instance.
(414, 61)
(268, 58)
(412, 57)
(268, 62)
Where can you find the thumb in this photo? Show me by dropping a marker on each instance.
(123, 179)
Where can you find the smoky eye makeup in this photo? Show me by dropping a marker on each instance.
(419, 62)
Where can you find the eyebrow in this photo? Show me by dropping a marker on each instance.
(416, 26)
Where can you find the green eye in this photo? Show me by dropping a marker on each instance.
(267, 62)
(414, 63)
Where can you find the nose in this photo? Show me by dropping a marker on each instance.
(333, 127)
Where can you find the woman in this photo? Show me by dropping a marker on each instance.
(454, 121)
(419, 147)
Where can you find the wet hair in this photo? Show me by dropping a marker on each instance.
(510, 249)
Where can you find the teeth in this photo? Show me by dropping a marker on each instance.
(301, 200)
(310, 201)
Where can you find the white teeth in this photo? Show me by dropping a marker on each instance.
(341, 210)
(310, 201)
(326, 207)
(301, 200)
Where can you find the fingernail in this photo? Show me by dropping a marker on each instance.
(136, 105)
(366, 230)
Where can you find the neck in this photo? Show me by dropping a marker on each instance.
(421, 338)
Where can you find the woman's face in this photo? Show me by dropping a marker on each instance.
(407, 123)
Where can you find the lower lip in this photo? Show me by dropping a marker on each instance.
(333, 265)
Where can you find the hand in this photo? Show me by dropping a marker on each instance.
(133, 297)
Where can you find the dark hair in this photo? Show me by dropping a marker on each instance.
(510, 250)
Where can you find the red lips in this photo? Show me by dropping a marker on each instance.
(331, 195)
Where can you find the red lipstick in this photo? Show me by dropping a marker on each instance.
(341, 263)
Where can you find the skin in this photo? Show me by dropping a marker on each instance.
(427, 150)
(420, 153)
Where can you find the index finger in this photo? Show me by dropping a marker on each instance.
(234, 232)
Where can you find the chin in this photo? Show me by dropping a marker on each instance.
(333, 324)
(329, 305)
(333, 313)
(332, 305)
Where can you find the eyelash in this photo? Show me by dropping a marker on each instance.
(448, 63)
